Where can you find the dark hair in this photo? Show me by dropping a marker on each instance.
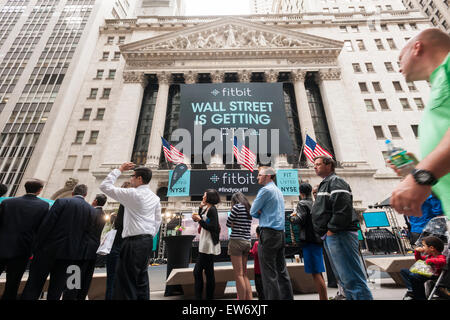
(435, 242)
(80, 190)
(101, 199)
(258, 230)
(306, 189)
(33, 186)
(3, 189)
(327, 160)
(212, 196)
(143, 172)
(239, 198)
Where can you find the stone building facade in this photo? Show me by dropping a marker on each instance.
(339, 73)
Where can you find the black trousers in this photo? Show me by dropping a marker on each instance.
(259, 286)
(87, 272)
(204, 262)
(131, 282)
(43, 264)
(276, 280)
(15, 269)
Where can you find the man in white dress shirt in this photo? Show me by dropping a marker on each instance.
(141, 221)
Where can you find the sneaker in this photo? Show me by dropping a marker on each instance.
(338, 297)
(408, 296)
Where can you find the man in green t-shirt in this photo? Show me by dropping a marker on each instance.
(427, 57)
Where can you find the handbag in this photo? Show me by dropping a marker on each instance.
(420, 267)
(107, 243)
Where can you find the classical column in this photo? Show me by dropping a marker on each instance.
(271, 76)
(125, 119)
(159, 120)
(339, 116)
(190, 77)
(280, 161)
(217, 76)
(244, 76)
(303, 109)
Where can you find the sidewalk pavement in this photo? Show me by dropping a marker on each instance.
(381, 285)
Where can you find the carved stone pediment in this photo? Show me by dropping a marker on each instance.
(230, 35)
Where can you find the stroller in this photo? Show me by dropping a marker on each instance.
(438, 227)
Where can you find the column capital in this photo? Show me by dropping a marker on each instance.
(298, 75)
(329, 74)
(164, 77)
(217, 76)
(271, 76)
(244, 76)
(135, 77)
(190, 77)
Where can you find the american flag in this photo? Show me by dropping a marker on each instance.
(171, 153)
(312, 149)
(243, 155)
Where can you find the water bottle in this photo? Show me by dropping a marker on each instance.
(399, 158)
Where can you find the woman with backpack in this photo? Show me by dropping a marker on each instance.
(310, 242)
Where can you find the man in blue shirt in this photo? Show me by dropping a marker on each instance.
(268, 207)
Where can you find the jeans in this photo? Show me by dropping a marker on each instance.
(415, 283)
(275, 277)
(344, 255)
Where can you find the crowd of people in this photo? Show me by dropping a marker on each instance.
(54, 240)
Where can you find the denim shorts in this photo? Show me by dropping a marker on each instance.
(239, 247)
(313, 258)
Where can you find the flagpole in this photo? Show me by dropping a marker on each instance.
(301, 149)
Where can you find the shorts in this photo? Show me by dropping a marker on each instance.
(313, 258)
(239, 247)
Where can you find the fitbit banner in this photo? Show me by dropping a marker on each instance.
(254, 112)
(227, 182)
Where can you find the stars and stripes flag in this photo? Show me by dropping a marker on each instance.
(171, 153)
(244, 155)
(312, 149)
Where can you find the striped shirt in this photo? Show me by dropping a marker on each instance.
(239, 222)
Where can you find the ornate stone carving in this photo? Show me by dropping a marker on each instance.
(298, 75)
(271, 76)
(134, 77)
(244, 76)
(233, 36)
(329, 74)
(164, 77)
(149, 64)
(217, 76)
(190, 77)
(312, 61)
(70, 183)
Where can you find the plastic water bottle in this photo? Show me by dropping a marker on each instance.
(399, 158)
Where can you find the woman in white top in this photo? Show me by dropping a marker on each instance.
(209, 244)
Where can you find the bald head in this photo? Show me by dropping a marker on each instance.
(423, 54)
(434, 38)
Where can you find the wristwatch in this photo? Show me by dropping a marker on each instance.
(424, 177)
